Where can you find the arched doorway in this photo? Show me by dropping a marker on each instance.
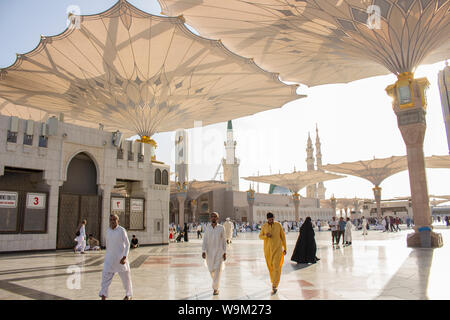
(78, 200)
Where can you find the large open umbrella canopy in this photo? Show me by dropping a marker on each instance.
(140, 73)
(375, 170)
(433, 202)
(447, 197)
(438, 161)
(323, 41)
(192, 190)
(295, 181)
(197, 188)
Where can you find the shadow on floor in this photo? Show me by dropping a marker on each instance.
(415, 272)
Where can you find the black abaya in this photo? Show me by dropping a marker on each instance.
(305, 248)
(185, 233)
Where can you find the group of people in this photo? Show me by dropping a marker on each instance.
(83, 244)
(340, 228)
(178, 235)
(214, 248)
(444, 220)
(391, 224)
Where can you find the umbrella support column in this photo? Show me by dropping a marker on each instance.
(250, 201)
(409, 105)
(377, 195)
(296, 199)
(181, 197)
(194, 210)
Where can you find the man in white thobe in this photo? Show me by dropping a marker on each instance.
(286, 227)
(348, 232)
(364, 226)
(117, 248)
(81, 239)
(228, 225)
(214, 250)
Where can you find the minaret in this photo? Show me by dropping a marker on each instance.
(231, 163)
(311, 189)
(320, 187)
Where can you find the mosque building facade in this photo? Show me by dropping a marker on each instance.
(55, 174)
(247, 206)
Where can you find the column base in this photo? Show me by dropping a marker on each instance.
(414, 240)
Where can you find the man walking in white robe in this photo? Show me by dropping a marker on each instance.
(117, 248)
(286, 227)
(348, 232)
(228, 225)
(81, 238)
(364, 226)
(214, 250)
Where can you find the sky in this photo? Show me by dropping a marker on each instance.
(355, 120)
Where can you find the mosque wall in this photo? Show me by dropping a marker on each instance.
(51, 163)
(400, 208)
(309, 203)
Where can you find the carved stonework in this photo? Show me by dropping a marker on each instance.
(413, 134)
(411, 117)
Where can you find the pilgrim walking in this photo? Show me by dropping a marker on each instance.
(228, 225)
(305, 248)
(348, 232)
(274, 248)
(81, 238)
(117, 248)
(214, 250)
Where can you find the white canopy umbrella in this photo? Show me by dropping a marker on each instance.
(140, 73)
(322, 41)
(295, 181)
(441, 162)
(325, 41)
(374, 170)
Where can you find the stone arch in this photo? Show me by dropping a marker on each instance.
(91, 160)
(165, 177)
(90, 155)
(157, 176)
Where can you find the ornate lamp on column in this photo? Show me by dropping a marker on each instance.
(153, 145)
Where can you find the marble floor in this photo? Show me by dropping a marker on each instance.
(376, 266)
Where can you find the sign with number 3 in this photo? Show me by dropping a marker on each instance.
(36, 200)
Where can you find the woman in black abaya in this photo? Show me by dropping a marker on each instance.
(185, 232)
(305, 248)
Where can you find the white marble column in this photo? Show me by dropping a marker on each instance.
(105, 191)
(53, 203)
(181, 197)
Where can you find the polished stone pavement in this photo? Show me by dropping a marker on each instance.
(376, 266)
